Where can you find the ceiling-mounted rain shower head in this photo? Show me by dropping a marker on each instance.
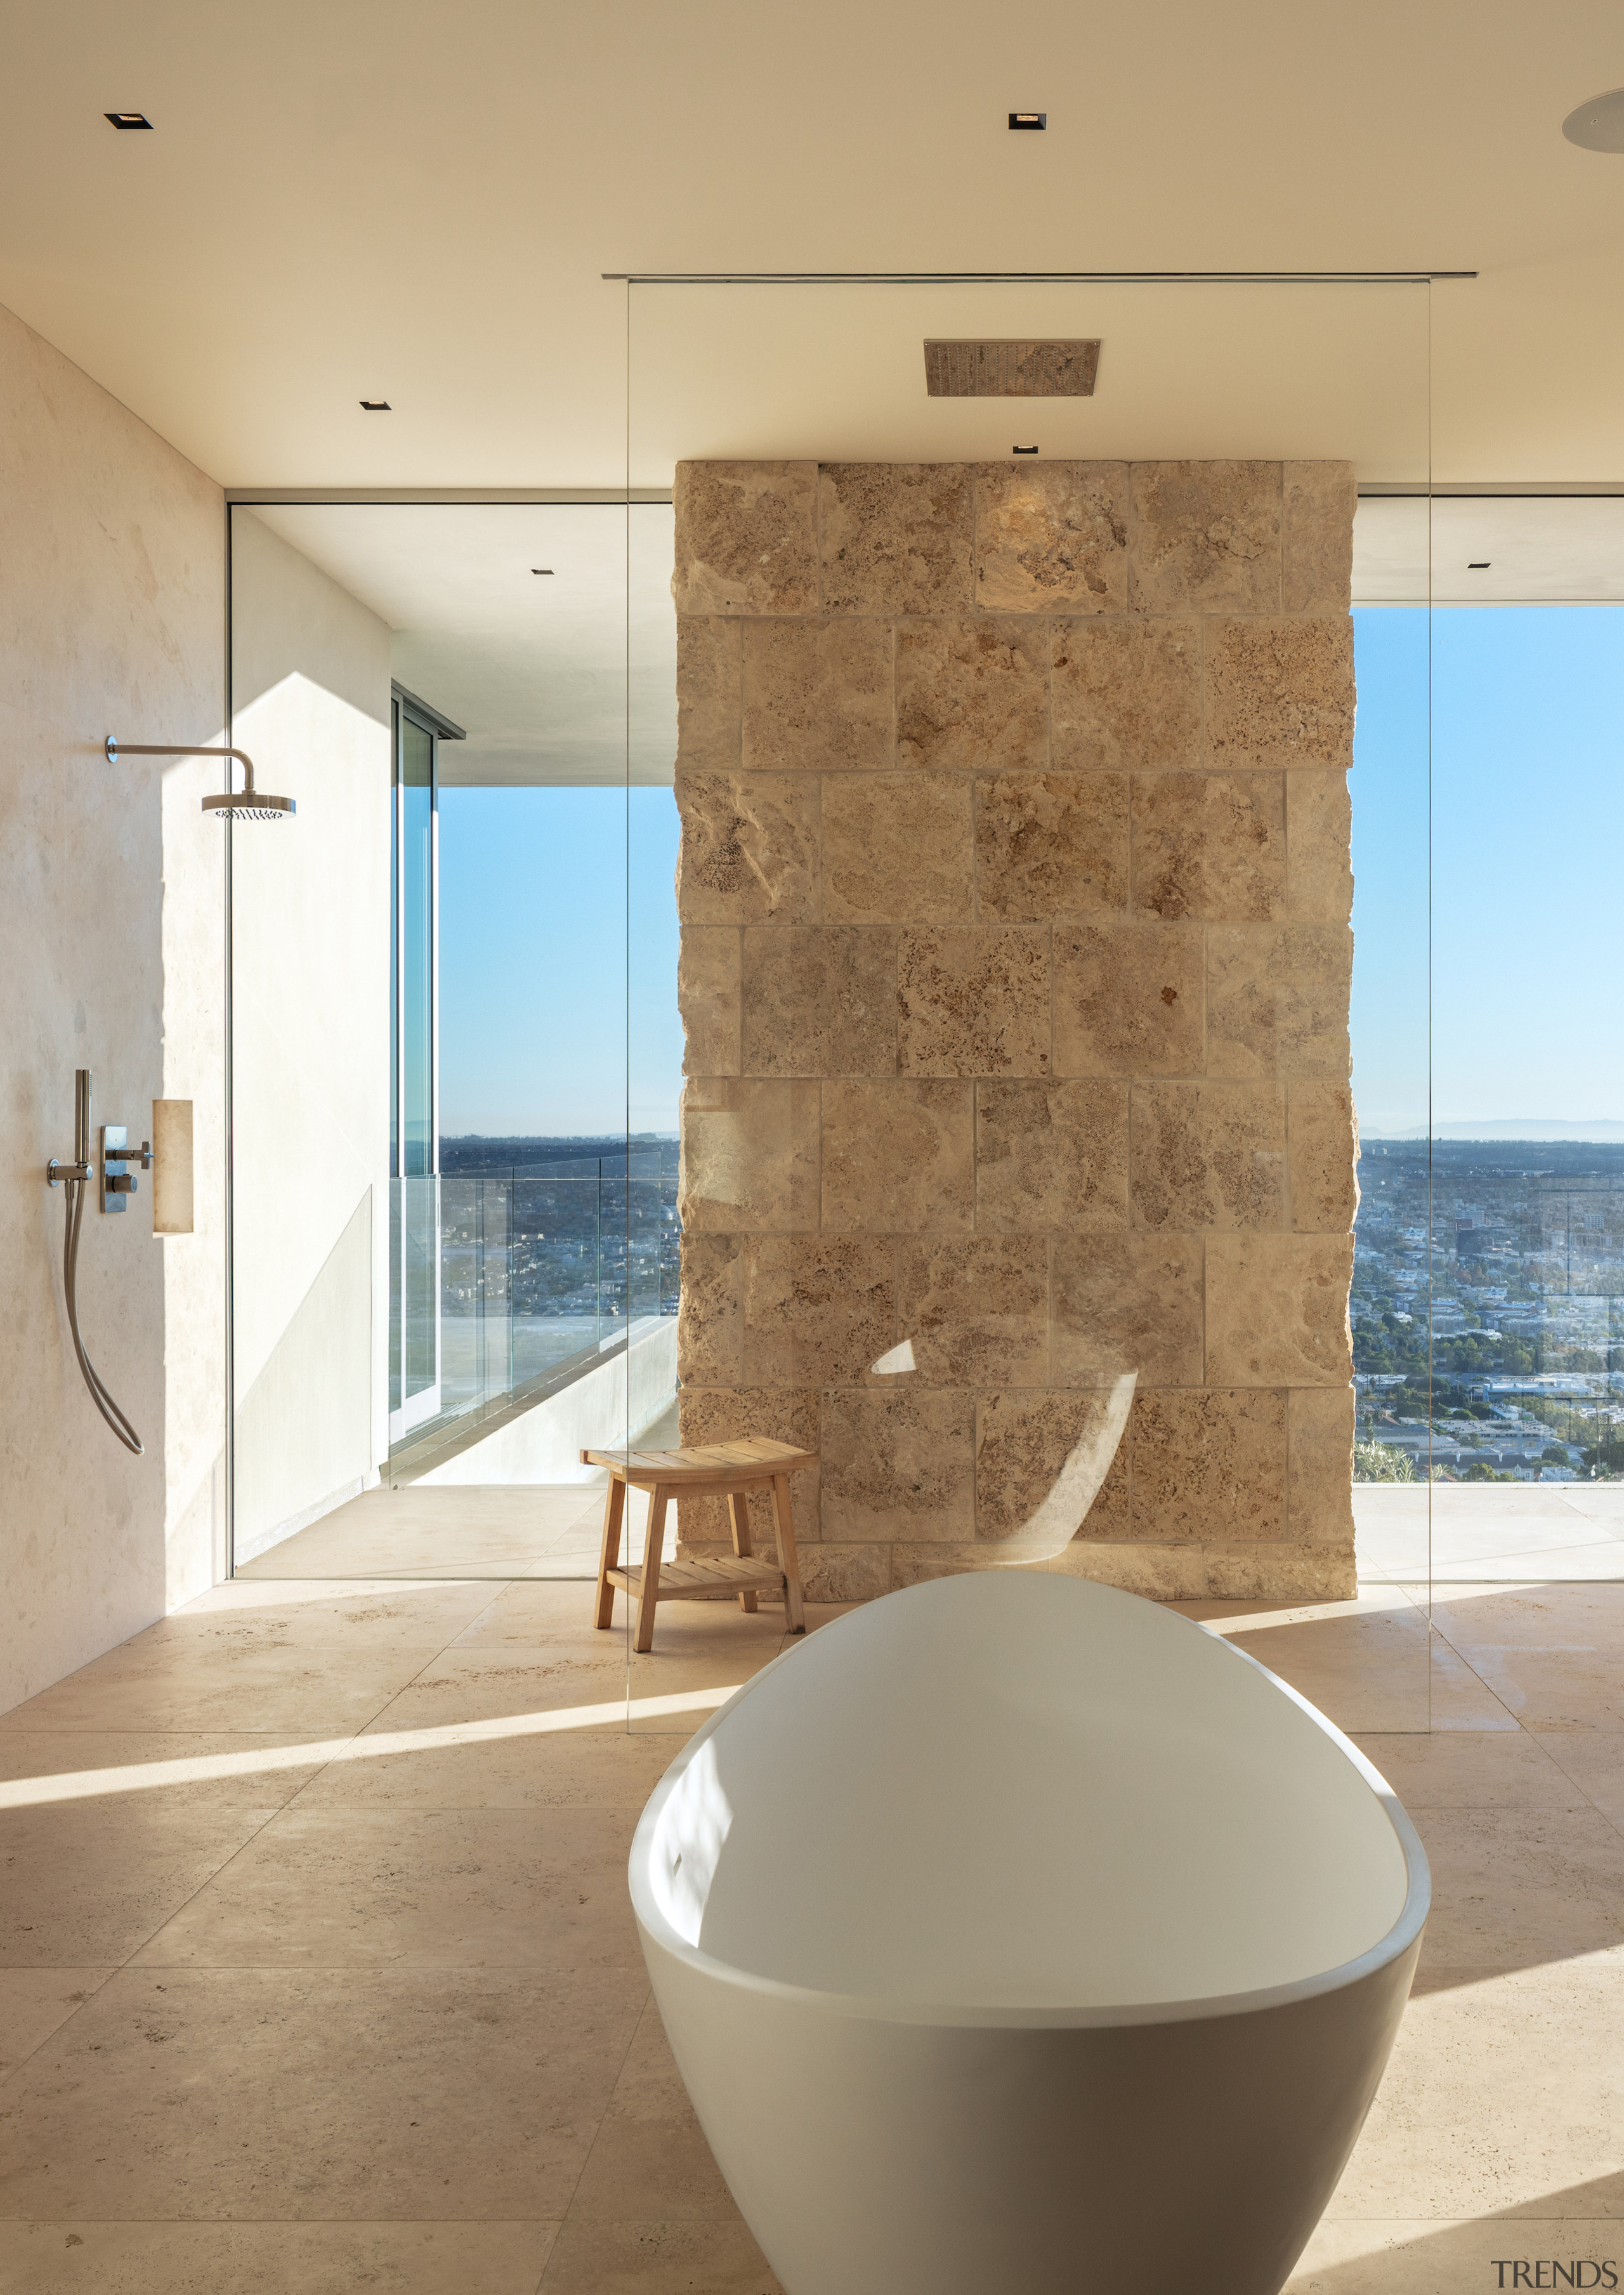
(251, 804)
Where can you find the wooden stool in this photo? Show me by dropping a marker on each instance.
(722, 1470)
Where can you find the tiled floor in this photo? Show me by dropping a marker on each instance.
(317, 1970)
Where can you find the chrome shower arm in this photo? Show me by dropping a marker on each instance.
(116, 749)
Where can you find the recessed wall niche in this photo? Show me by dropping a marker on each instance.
(1015, 894)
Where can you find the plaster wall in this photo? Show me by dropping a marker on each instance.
(310, 985)
(112, 618)
(1015, 893)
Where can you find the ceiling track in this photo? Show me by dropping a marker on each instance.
(1032, 277)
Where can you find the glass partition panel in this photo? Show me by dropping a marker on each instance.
(445, 1245)
(1015, 722)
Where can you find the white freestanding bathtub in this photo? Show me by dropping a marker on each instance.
(1014, 1935)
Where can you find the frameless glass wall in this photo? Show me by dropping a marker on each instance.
(454, 1261)
(953, 1159)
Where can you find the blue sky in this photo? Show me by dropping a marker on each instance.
(1527, 820)
(533, 952)
(1528, 838)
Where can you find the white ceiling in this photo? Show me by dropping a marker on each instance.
(416, 201)
(537, 669)
(1539, 551)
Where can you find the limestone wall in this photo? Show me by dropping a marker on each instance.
(1015, 894)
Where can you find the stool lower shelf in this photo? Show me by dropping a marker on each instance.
(717, 1580)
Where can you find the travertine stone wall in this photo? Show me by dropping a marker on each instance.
(1015, 893)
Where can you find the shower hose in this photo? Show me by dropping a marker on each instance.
(99, 1394)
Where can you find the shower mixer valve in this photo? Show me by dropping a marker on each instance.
(117, 1181)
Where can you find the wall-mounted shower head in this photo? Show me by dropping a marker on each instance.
(252, 805)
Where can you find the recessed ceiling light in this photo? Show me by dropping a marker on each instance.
(1029, 119)
(1598, 125)
(128, 119)
(375, 406)
(541, 569)
(1477, 565)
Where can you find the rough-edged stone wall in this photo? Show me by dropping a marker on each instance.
(1015, 894)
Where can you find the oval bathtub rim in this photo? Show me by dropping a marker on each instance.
(1072, 2016)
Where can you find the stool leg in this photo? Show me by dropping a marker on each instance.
(652, 1545)
(738, 1515)
(613, 1508)
(785, 1523)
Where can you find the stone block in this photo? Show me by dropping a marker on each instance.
(975, 1309)
(972, 695)
(898, 1156)
(746, 538)
(1319, 499)
(918, 1566)
(1278, 1309)
(1129, 1000)
(1323, 1147)
(820, 1310)
(711, 1314)
(733, 1414)
(1208, 1155)
(749, 1155)
(1209, 1464)
(1051, 845)
(974, 999)
(708, 1000)
(897, 538)
(1126, 695)
(749, 849)
(708, 693)
(1161, 1571)
(1278, 1000)
(1280, 1573)
(1209, 846)
(819, 999)
(818, 696)
(1023, 1443)
(1051, 1157)
(1279, 694)
(846, 1573)
(1127, 1302)
(1319, 847)
(897, 848)
(1052, 540)
(1320, 1467)
(899, 1465)
(1205, 537)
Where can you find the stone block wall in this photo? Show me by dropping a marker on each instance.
(1015, 893)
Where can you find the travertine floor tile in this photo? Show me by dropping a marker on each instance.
(84, 1883)
(534, 1614)
(477, 1682)
(635, 2257)
(1497, 2089)
(1516, 1888)
(190, 1769)
(394, 1887)
(664, 2164)
(1592, 1760)
(595, 1767)
(320, 1668)
(1471, 1768)
(461, 2095)
(1423, 2255)
(252, 2258)
(34, 2002)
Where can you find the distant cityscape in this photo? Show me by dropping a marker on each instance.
(590, 1223)
(1508, 1257)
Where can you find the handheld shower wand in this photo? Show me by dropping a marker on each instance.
(77, 1177)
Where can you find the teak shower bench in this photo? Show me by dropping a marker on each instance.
(729, 1470)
